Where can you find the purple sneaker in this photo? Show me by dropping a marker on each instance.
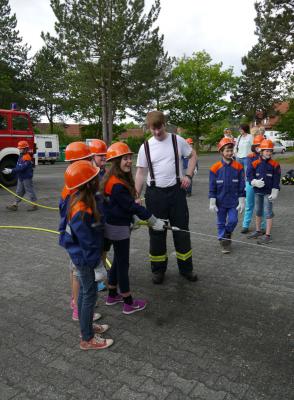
(111, 301)
(137, 305)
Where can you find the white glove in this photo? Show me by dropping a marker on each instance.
(257, 183)
(157, 224)
(135, 223)
(212, 205)
(274, 195)
(241, 205)
(7, 171)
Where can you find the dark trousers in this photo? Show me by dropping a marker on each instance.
(119, 271)
(87, 300)
(169, 203)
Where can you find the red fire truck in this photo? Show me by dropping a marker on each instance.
(14, 126)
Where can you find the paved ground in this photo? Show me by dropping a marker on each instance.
(226, 337)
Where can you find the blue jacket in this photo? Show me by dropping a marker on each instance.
(24, 167)
(227, 183)
(269, 170)
(80, 235)
(119, 205)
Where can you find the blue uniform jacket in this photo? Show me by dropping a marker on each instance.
(269, 170)
(24, 167)
(80, 235)
(120, 206)
(226, 183)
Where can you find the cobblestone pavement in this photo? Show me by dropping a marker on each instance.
(229, 336)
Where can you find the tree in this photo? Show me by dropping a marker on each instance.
(102, 40)
(202, 93)
(48, 84)
(13, 59)
(286, 122)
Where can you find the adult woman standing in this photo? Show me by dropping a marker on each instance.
(243, 145)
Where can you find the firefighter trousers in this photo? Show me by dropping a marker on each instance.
(169, 203)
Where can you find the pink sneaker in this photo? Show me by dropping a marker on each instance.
(111, 301)
(137, 305)
(75, 315)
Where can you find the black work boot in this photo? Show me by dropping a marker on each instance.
(224, 246)
(158, 277)
(190, 276)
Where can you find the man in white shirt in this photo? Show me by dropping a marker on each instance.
(243, 145)
(166, 193)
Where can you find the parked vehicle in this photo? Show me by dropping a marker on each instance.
(279, 148)
(14, 126)
(47, 148)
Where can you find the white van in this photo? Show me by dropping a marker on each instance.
(276, 136)
(47, 148)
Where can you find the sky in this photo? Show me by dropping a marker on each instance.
(224, 28)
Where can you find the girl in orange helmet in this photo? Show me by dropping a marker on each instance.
(120, 208)
(81, 234)
(24, 171)
(98, 149)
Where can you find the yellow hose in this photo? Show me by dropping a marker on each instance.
(32, 228)
(28, 201)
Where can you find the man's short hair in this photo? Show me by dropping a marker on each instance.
(155, 119)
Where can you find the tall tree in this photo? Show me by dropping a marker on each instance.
(13, 59)
(202, 88)
(102, 40)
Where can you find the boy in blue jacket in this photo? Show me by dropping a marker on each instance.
(24, 171)
(264, 174)
(226, 192)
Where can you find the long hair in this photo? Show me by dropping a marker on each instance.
(86, 194)
(126, 177)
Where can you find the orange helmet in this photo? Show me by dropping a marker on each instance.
(257, 140)
(224, 142)
(79, 173)
(77, 151)
(23, 144)
(117, 149)
(189, 140)
(266, 144)
(98, 147)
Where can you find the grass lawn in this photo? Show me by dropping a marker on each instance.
(285, 160)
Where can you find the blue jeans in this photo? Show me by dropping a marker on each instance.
(25, 186)
(243, 161)
(227, 219)
(263, 204)
(250, 203)
(87, 300)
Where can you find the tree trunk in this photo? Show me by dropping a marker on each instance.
(104, 116)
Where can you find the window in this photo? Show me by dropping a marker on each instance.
(48, 145)
(20, 123)
(3, 122)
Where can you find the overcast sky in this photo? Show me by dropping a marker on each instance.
(224, 28)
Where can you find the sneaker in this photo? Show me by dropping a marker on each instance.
(111, 301)
(245, 230)
(190, 276)
(99, 329)
(254, 235)
(75, 315)
(33, 208)
(101, 286)
(96, 343)
(137, 305)
(13, 207)
(264, 240)
(224, 246)
(158, 278)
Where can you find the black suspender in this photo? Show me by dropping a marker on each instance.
(177, 161)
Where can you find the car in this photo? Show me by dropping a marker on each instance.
(279, 148)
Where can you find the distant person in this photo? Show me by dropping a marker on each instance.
(228, 133)
(264, 174)
(226, 192)
(24, 171)
(243, 145)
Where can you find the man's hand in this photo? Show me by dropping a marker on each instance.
(185, 182)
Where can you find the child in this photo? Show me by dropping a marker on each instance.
(120, 206)
(250, 196)
(24, 170)
(264, 174)
(75, 151)
(226, 192)
(82, 236)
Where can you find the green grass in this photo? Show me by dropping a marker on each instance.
(285, 160)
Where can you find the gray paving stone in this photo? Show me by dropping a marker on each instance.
(7, 392)
(184, 385)
(150, 386)
(125, 393)
(205, 393)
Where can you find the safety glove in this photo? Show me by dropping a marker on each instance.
(212, 205)
(241, 205)
(156, 224)
(258, 183)
(7, 171)
(135, 223)
(274, 195)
